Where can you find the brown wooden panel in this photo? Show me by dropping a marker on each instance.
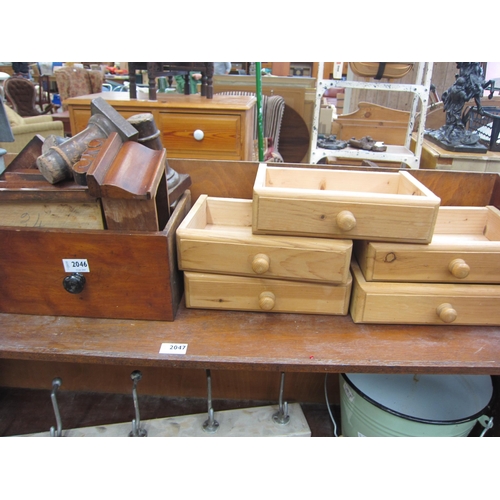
(124, 269)
(294, 137)
(236, 179)
(225, 179)
(459, 188)
(168, 381)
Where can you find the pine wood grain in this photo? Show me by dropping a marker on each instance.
(308, 202)
(468, 234)
(419, 303)
(216, 237)
(212, 291)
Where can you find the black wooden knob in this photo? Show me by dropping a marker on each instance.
(74, 283)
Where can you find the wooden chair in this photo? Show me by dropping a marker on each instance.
(21, 93)
(273, 108)
(73, 82)
(43, 100)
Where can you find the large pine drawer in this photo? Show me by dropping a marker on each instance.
(216, 237)
(423, 303)
(376, 206)
(465, 248)
(215, 291)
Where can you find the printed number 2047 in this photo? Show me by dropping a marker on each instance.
(177, 347)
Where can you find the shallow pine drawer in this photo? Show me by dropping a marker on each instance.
(465, 248)
(216, 237)
(377, 206)
(423, 303)
(239, 293)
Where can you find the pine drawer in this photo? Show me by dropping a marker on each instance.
(377, 206)
(423, 303)
(201, 135)
(217, 291)
(216, 237)
(465, 248)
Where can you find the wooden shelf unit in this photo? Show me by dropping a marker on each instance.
(403, 154)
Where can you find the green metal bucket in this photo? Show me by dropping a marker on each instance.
(381, 405)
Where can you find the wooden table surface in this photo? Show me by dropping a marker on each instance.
(254, 341)
(267, 341)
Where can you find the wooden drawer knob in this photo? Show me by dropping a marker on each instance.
(459, 268)
(346, 220)
(198, 135)
(267, 301)
(446, 313)
(260, 263)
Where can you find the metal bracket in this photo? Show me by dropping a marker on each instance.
(487, 423)
(210, 425)
(281, 416)
(56, 383)
(136, 431)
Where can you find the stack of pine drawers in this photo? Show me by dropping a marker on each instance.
(289, 249)
(228, 267)
(453, 280)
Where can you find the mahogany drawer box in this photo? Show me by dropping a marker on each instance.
(240, 293)
(129, 274)
(423, 303)
(465, 248)
(216, 237)
(376, 206)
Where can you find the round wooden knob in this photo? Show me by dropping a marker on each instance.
(346, 220)
(198, 135)
(267, 301)
(260, 263)
(446, 313)
(459, 268)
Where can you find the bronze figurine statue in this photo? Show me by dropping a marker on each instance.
(454, 134)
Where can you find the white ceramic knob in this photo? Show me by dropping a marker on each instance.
(198, 134)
